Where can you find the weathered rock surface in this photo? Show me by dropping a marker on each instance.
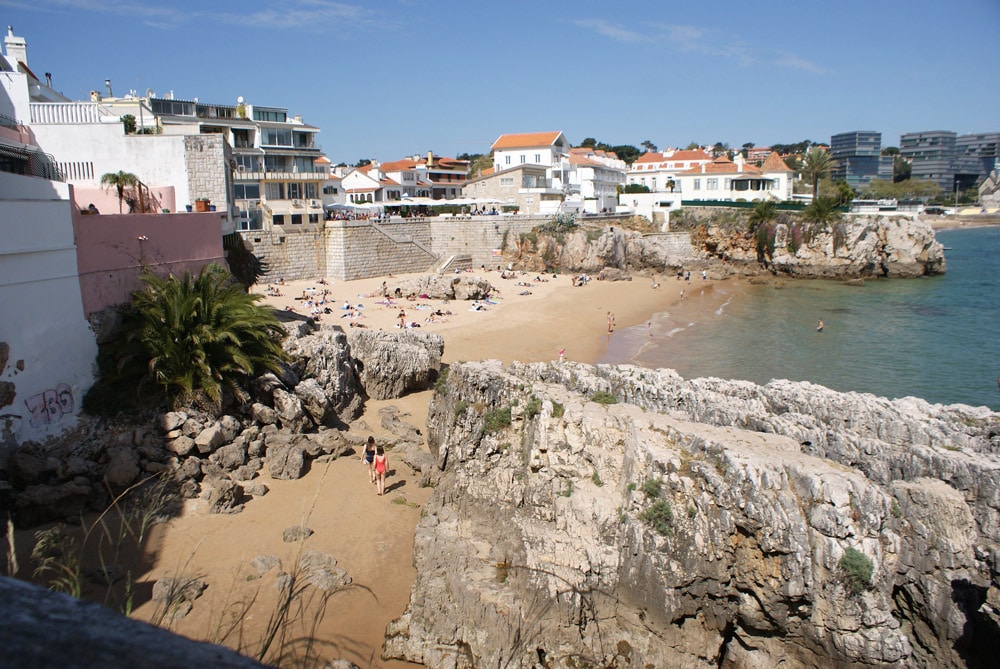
(50, 629)
(856, 247)
(539, 545)
(444, 286)
(392, 364)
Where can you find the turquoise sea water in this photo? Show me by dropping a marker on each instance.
(937, 338)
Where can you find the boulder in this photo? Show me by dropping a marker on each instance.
(286, 461)
(392, 364)
(209, 439)
(225, 496)
(291, 414)
(230, 457)
(122, 468)
(182, 445)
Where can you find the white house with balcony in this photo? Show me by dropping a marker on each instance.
(733, 180)
(594, 178)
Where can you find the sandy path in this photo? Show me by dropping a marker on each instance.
(370, 536)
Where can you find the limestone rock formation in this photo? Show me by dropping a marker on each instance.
(444, 286)
(618, 516)
(391, 364)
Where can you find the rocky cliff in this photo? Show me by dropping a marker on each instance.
(618, 516)
(859, 247)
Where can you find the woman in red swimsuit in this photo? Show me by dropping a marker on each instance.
(381, 465)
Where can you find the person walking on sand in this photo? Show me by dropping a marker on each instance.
(819, 325)
(381, 465)
(368, 457)
(562, 355)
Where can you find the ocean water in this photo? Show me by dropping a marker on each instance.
(936, 337)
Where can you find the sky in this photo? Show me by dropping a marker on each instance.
(389, 78)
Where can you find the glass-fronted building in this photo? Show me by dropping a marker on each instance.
(857, 158)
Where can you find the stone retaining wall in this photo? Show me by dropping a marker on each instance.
(347, 250)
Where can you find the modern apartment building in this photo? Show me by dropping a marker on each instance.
(858, 159)
(952, 161)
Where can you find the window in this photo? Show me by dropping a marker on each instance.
(538, 158)
(697, 184)
(278, 219)
(275, 115)
(275, 191)
(524, 159)
(727, 184)
(246, 191)
(296, 219)
(712, 184)
(330, 190)
(314, 218)
(248, 163)
(303, 165)
(294, 190)
(506, 181)
(311, 190)
(276, 137)
(508, 159)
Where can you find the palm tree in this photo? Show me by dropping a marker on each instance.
(197, 337)
(763, 213)
(120, 180)
(816, 165)
(822, 210)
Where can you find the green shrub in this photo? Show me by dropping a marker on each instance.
(858, 569)
(441, 382)
(596, 478)
(558, 410)
(651, 488)
(460, 407)
(659, 516)
(896, 511)
(496, 420)
(569, 489)
(603, 397)
(631, 486)
(533, 407)
(692, 511)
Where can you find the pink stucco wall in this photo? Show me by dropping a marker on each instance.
(106, 199)
(113, 249)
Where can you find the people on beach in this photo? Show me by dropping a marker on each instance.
(819, 325)
(368, 457)
(381, 465)
(654, 284)
(611, 322)
(562, 357)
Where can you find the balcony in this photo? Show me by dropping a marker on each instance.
(257, 175)
(70, 113)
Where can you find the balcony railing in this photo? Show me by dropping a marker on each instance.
(257, 175)
(69, 113)
(29, 163)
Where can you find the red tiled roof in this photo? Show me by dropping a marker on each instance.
(774, 163)
(576, 159)
(400, 165)
(386, 181)
(722, 167)
(650, 157)
(525, 139)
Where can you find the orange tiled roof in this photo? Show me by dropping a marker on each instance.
(400, 165)
(650, 157)
(524, 139)
(386, 181)
(774, 163)
(488, 171)
(722, 166)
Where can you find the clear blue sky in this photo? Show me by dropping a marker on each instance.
(388, 78)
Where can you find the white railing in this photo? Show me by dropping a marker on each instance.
(76, 113)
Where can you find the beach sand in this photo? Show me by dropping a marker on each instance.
(370, 536)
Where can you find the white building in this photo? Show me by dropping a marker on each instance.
(595, 176)
(658, 171)
(725, 179)
(47, 348)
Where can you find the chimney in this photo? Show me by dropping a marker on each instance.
(17, 48)
(107, 87)
(95, 96)
(48, 79)
(430, 159)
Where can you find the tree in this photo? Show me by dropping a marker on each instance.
(692, 146)
(588, 143)
(746, 148)
(197, 337)
(817, 164)
(901, 190)
(128, 122)
(649, 146)
(845, 193)
(822, 210)
(901, 169)
(363, 161)
(889, 151)
(636, 188)
(626, 152)
(762, 214)
(720, 149)
(120, 181)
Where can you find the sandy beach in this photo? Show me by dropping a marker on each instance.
(370, 536)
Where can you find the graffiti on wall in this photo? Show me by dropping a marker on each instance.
(49, 406)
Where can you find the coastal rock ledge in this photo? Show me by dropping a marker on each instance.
(625, 517)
